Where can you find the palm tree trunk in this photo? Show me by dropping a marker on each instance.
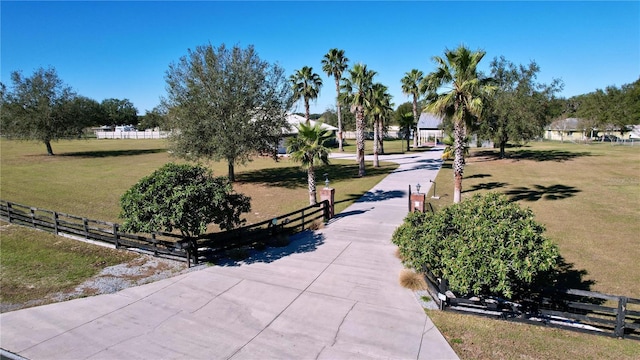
(306, 110)
(376, 133)
(360, 139)
(381, 136)
(415, 121)
(339, 114)
(311, 181)
(458, 161)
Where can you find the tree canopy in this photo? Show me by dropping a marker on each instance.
(334, 63)
(119, 112)
(612, 107)
(463, 104)
(42, 108)
(226, 104)
(306, 86)
(355, 92)
(521, 107)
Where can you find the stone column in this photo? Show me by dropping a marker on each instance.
(328, 194)
(417, 202)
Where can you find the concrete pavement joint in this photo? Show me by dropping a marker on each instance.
(289, 305)
(104, 315)
(215, 297)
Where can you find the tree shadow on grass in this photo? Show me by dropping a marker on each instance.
(293, 177)
(477, 176)
(540, 192)
(486, 186)
(112, 153)
(303, 242)
(534, 155)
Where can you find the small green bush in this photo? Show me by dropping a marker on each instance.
(184, 197)
(485, 245)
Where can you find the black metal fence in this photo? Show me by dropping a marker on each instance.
(579, 310)
(260, 234)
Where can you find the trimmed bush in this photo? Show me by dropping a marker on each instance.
(485, 245)
(184, 197)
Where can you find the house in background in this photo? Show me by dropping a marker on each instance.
(575, 129)
(569, 129)
(295, 120)
(430, 129)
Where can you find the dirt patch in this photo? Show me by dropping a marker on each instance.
(142, 270)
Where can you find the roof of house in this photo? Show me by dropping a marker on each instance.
(429, 121)
(295, 120)
(565, 124)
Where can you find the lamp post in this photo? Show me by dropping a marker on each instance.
(328, 194)
(434, 190)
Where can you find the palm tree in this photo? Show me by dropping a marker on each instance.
(448, 152)
(355, 93)
(379, 107)
(306, 85)
(462, 104)
(334, 64)
(406, 122)
(411, 85)
(308, 148)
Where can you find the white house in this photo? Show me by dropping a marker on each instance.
(294, 121)
(430, 129)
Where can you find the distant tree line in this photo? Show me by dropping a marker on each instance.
(611, 108)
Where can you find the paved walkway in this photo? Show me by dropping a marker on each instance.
(332, 294)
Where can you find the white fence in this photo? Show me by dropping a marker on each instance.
(149, 134)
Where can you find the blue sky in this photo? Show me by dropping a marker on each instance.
(123, 49)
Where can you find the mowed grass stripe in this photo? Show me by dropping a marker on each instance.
(88, 177)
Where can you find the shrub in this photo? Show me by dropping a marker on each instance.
(485, 245)
(184, 197)
(412, 280)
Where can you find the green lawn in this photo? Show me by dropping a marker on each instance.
(588, 197)
(87, 177)
(36, 264)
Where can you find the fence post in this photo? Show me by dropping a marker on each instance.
(55, 222)
(302, 216)
(155, 244)
(33, 217)
(115, 235)
(85, 224)
(325, 207)
(9, 211)
(443, 287)
(620, 315)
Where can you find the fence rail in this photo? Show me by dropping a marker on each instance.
(296, 221)
(580, 310)
(161, 243)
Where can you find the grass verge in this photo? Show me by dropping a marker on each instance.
(588, 197)
(36, 264)
(87, 177)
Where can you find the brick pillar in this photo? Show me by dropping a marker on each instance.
(328, 194)
(417, 202)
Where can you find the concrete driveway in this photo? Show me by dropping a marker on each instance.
(331, 294)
